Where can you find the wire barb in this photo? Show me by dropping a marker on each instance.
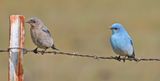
(25, 51)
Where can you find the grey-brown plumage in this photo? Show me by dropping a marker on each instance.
(40, 34)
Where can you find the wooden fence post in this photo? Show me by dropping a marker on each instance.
(16, 45)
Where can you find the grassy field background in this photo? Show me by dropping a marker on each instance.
(82, 26)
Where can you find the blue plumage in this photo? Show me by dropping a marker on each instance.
(121, 42)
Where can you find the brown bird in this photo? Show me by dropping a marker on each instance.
(40, 35)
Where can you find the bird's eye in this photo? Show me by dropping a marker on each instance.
(33, 21)
(116, 28)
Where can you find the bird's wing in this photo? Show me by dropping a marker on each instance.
(46, 31)
(131, 42)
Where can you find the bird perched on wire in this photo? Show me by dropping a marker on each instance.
(40, 35)
(121, 42)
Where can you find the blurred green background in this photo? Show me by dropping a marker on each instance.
(82, 26)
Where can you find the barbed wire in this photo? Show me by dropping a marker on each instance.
(25, 51)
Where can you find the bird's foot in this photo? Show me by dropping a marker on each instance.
(42, 52)
(124, 59)
(118, 58)
(35, 51)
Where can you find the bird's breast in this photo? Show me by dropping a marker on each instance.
(121, 45)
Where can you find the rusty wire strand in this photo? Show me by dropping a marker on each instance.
(25, 51)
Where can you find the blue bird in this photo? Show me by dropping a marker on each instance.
(121, 42)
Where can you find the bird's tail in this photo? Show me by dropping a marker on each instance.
(53, 47)
(132, 56)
